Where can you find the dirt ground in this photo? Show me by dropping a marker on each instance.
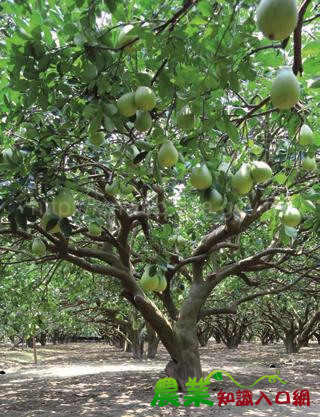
(96, 380)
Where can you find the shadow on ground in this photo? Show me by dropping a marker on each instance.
(95, 380)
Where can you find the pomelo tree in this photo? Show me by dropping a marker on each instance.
(294, 318)
(76, 74)
(51, 300)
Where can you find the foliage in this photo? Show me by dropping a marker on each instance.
(62, 72)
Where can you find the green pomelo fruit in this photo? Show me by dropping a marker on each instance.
(38, 247)
(214, 200)
(277, 18)
(94, 229)
(242, 181)
(126, 105)
(306, 136)
(285, 89)
(260, 172)
(309, 164)
(149, 283)
(125, 38)
(168, 155)
(54, 225)
(143, 121)
(185, 118)
(63, 204)
(162, 284)
(291, 217)
(145, 98)
(201, 177)
(97, 138)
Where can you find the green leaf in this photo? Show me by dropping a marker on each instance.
(198, 21)
(108, 124)
(232, 131)
(95, 124)
(89, 71)
(142, 144)
(144, 79)
(79, 39)
(308, 205)
(280, 178)
(167, 230)
(140, 157)
(314, 83)
(111, 4)
(153, 270)
(234, 82)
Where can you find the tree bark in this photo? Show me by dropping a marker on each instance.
(233, 342)
(317, 336)
(29, 342)
(290, 343)
(217, 336)
(187, 362)
(43, 339)
(153, 342)
(137, 345)
(34, 346)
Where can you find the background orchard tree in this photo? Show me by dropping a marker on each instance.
(90, 91)
(293, 318)
(44, 301)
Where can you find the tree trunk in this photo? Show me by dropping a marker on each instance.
(204, 334)
(137, 345)
(55, 337)
(180, 339)
(127, 346)
(187, 362)
(249, 337)
(34, 346)
(266, 337)
(317, 336)
(29, 342)
(217, 336)
(233, 342)
(43, 339)
(153, 342)
(304, 342)
(291, 344)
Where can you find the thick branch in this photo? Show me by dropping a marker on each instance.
(297, 62)
(154, 317)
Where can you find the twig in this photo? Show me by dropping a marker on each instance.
(177, 16)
